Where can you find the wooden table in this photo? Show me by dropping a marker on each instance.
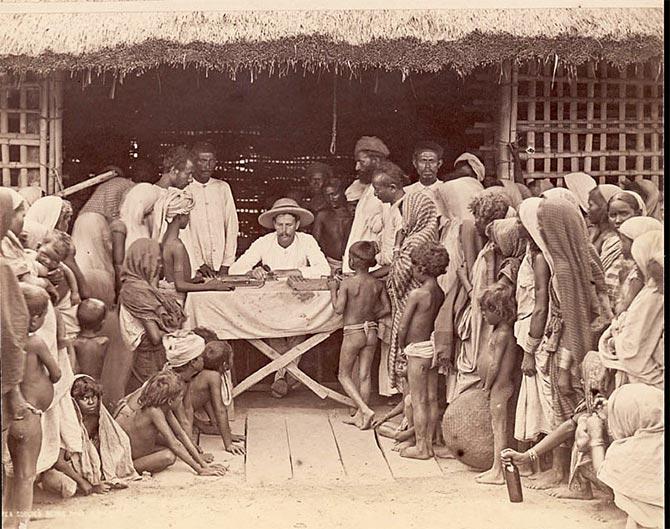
(272, 311)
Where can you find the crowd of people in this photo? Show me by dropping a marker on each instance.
(548, 300)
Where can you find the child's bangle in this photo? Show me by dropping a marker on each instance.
(597, 442)
(532, 454)
(533, 343)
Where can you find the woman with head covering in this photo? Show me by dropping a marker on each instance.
(632, 466)
(577, 315)
(46, 214)
(13, 322)
(463, 244)
(621, 206)
(145, 313)
(419, 225)
(634, 342)
(487, 206)
(630, 230)
(653, 198)
(561, 192)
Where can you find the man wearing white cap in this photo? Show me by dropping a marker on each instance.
(283, 249)
(369, 152)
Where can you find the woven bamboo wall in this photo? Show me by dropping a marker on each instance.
(596, 119)
(30, 132)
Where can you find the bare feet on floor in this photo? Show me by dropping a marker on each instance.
(413, 452)
(353, 419)
(493, 476)
(566, 493)
(548, 479)
(366, 420)
(402, 446)
(443, 452)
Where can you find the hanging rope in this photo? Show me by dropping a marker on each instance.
(333, 130)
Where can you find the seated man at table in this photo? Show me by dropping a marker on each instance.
(283, 249)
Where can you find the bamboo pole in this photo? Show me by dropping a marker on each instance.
(622, 115)
(583, 154)
(628, 172)
(44, 133)
(559, 117)
(602, 162)
(23, 126)
(93, 181)
(546, 108)
(4, 129)
(532, 91)
(52, 127)
(590, 91)
(654, 136)
(639, 111)
(513, 117)
(574, 139)
(567, 129)
(647, 82)
(58, 140)
(504, 120)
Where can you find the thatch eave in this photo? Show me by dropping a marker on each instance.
(406, 41)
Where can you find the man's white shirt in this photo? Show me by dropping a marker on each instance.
(367, 222)
(211, 235)
(303, 254)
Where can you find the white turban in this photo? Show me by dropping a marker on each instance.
(181, 347)
(167, 207)
(475, 164)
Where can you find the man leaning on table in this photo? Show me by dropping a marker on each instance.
(283, 249)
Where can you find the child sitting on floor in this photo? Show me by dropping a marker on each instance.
(415, 335)
(25, 434)
(90, 348)
(498, 366)
(211, 391)
(153, 417)
(363, 300)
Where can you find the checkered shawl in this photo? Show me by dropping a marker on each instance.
(420, 222)
(576, 273)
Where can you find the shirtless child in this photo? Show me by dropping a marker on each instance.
(363, 300)
(415, 336)
(153, 417)
(25, 435)
(176, 263)
(53, 250)
(332, 224)
(90, 347)
(498, 366)
(205, 392)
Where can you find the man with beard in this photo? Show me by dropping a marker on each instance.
(369, 152)
(211, 235)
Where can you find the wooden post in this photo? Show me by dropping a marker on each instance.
(590, 93)
(44, 133)
(504, 121)
(52, 144)
(58, 132)
(546, 117)
(602, 162)
(560, 113)
(655, 166)
(639, 114)
(532, 94)
(513, 119)
(23, 129)
(4, 129)
(574, 139)
(622, 117)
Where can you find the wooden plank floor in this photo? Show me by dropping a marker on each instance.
(315, 446)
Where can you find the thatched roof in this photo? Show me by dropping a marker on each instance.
(403, 40)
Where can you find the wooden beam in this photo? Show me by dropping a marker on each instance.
(99, 179)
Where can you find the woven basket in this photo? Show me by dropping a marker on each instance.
(467, 430)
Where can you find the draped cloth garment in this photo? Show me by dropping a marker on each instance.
(420, 222)
(633, 465)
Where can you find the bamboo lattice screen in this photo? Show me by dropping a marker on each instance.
(31, 132)
(596, 119)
